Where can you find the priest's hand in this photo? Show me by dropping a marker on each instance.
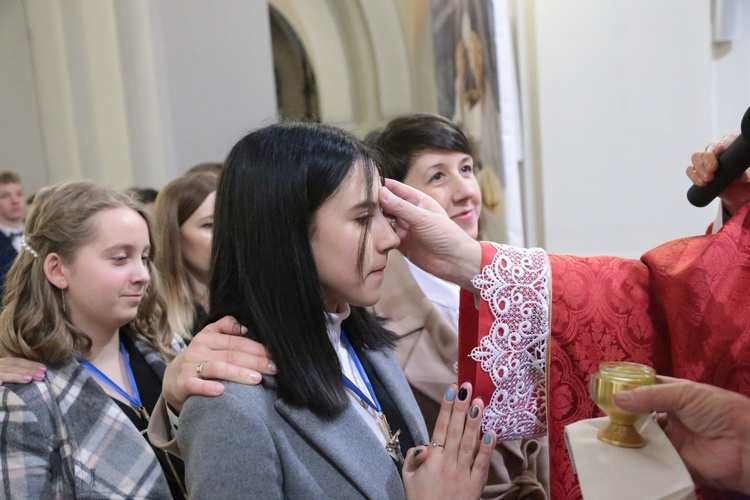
(429, 238)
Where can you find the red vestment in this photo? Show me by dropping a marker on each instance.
(683, 308)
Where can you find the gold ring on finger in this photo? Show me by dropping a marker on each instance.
(199, 370)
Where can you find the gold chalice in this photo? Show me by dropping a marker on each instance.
(614, 376)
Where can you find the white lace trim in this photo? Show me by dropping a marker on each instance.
(513, 353)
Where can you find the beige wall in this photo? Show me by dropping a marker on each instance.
(133, 93)
(20, 136)
(615, 95)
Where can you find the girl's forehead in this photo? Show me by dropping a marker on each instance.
(122, 224)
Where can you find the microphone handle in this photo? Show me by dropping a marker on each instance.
(732, 162)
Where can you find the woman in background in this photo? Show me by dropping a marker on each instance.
(431, 154)
(183, 217)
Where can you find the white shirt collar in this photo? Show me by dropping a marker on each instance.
(7, 231)
(333, 323)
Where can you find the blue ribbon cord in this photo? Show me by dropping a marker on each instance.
(373, 403)
(135, 399)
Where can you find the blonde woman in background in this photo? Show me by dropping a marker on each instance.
(184, 216)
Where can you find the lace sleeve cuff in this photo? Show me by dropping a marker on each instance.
(509, 340)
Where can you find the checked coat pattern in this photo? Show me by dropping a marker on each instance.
(64, 437)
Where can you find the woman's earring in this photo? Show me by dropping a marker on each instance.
(62, 295)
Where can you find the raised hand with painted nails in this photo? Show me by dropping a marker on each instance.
(455, 463)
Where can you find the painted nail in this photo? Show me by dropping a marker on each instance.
(487, 438)
(272, 367)
(450, 395)
(462, 393)
(27, 378)
(474, 411)
(42, 368)
(418, 452)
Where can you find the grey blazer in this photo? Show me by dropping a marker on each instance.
(248, 443)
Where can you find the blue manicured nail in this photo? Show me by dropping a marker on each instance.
(487, 438)
(450, 395)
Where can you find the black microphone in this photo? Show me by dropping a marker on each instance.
(732, 162)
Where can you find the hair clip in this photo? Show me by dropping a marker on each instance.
(28, 248)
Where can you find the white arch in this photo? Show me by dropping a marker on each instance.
(315, 24)
(394, 72)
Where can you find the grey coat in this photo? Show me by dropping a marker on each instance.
(63, 437)
(248, 443)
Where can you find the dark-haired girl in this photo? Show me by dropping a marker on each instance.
(299, 250)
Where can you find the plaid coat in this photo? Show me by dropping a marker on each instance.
(63, 437)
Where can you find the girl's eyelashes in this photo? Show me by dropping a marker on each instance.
(438, 176)
(364, 218)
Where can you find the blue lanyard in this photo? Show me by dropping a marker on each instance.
(356, 390)
(135, 399)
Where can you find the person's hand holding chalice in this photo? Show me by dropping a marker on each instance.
(612, 377)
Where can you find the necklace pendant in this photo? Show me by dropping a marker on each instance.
(392, 444)
(393, 447)
(144, 413)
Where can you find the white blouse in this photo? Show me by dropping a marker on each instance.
(444, 294)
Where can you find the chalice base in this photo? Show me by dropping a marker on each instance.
(621, 435)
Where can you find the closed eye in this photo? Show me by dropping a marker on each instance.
(364, 219)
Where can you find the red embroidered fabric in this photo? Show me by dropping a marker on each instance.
(683, 309)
